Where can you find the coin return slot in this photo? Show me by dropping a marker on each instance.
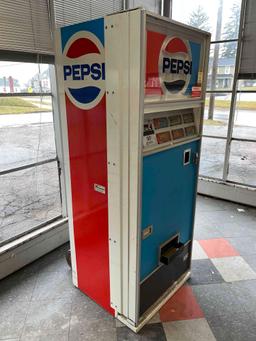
(186, 157)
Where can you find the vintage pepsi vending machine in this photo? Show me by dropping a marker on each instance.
(132, 89)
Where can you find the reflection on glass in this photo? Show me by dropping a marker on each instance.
(18, 77)
(242, 162)
(212, 157)
(216, 121)
(245, 116)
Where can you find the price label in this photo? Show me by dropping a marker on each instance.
(149, 140)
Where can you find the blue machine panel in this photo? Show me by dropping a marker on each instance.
(168, 199)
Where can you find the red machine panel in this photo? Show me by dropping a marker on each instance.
(88, 166)
(84, 84)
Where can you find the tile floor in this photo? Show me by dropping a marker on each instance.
(39, 303)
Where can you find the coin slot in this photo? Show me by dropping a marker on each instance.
(186, 157)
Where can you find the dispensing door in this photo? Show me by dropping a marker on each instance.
(170, 165)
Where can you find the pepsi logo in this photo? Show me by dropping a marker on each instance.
(175, 65)
(84, 70)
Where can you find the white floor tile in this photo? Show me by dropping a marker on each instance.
(234, 268)
(197, 251)
(155, 319)
(189, 330)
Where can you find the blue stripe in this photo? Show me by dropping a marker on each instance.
(85, 95)
(94, 26)
(195, 51)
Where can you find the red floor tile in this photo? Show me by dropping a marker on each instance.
(182, 306)
(218, 248)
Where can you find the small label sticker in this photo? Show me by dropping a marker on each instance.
(196, 91)
(149, 140)
(147, 231)
(200, 77)
(99, 188)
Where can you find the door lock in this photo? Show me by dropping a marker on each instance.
(196, 158)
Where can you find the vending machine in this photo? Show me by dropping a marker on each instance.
(132, 88)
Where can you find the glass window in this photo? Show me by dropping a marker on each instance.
(24, 77)
(216, 114)
(242, 162)
(212, 157)
(27, 131)
(245, 116)
(29, 196)
(204, 14)
(247, 84)
(150, 5)
(221, 66)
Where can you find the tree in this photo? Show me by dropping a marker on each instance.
(231, 30)
(199, 19)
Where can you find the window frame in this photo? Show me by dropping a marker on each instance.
(233, 91)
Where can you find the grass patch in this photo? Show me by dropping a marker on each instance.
(17, 105)
(43, 103)
(248, 88)
(223, 104)
(213, 123)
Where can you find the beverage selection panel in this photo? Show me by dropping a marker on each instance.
(169, 128)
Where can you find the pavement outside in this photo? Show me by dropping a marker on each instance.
(242, 163)
(40, 303)
(28, 197)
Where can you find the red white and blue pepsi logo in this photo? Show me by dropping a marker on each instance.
(175, 65)
(84, 70)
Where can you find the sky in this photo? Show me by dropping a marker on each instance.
(21, 71)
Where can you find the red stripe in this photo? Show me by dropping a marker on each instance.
(81, 47)
(176, 45)
(88, 166)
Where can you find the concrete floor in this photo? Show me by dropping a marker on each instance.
(39, 302)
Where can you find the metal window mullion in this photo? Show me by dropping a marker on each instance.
(246, 91)
(233, 138)
(125, 4)
(220, 181)
(26, 94)
(243, 140)
(219, 91)
(224, 41)
(57, 117)
(58, 141)
(234, 91)
(30, 165)
(214, 137)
